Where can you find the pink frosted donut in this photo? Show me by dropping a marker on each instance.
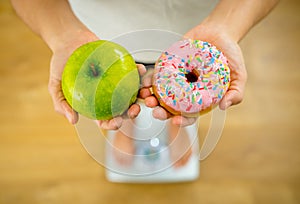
(190, 77)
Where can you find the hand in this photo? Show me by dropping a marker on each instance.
(152, 102)
(238, 73)
(230, 48)
(60, 56)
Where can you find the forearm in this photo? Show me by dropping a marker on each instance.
(53, 20)
(236, 17)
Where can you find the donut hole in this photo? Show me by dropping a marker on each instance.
(192, 76)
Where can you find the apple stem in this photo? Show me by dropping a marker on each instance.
(93, 68)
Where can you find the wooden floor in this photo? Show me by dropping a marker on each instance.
(256, 161)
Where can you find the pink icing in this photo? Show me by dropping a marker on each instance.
(207, 86)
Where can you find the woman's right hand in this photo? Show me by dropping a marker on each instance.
(59, 58)
(61, 53)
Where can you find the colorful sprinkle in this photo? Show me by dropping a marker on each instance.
(181, 58)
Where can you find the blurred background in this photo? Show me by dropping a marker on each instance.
(256, 161)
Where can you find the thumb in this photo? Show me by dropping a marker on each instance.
(232, 97)
(60, 104)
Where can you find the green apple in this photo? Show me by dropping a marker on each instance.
(100, 80)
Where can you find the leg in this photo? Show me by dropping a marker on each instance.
(180, 145)
(123, 144)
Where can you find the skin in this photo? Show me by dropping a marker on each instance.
(57, 25)
(63, 33)
(224, 27)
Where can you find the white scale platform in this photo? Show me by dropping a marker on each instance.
(151, 162)
(189, 172)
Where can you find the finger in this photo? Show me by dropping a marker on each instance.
(151, 101)
(133, 111)
(183, 121)
(147, 81)
(59, 102)
(161, 114)
(112, 124)
(235, 93)
(147, 78)
(144, 93)
(69, 113)
(142, 69)
(232, 97)
(238, 76)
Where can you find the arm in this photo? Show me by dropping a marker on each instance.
(55, 22)
(224, 27)
(228, 23)
(235, 18)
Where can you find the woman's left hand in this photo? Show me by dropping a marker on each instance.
(238, 74)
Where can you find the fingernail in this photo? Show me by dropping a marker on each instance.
(98, 123)
(160, 114)
(140, 65)
(132, 115)
(142, 68)
(228, 104)
(69, 117)
(147, 102)
(177, 121)
(118, 122)
(155, 114)
(147, 82)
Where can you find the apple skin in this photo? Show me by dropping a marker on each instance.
(100, 80)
